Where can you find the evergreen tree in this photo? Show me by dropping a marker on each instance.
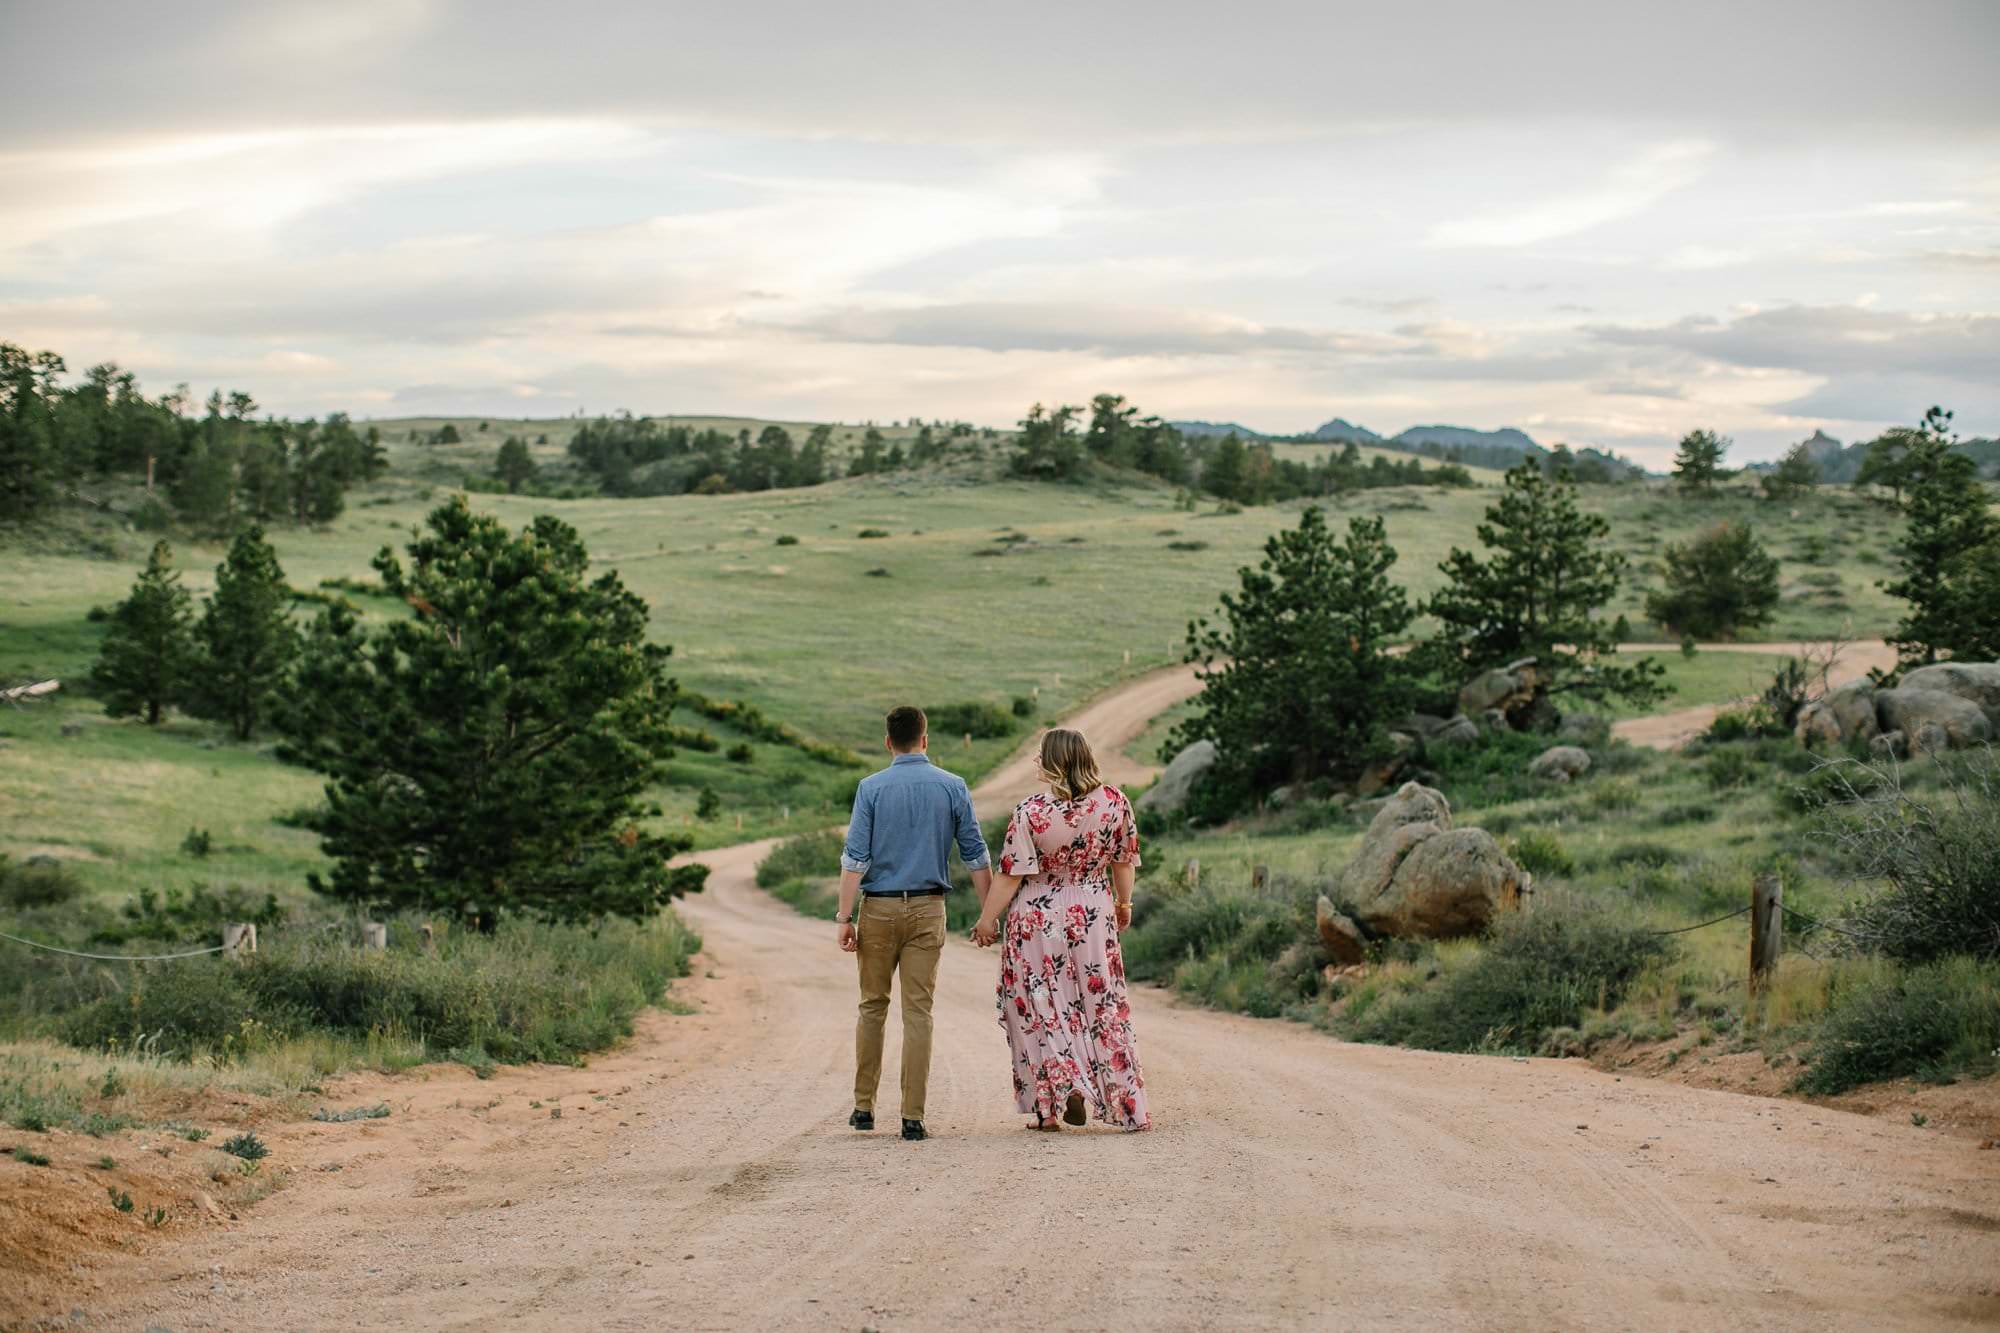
(30, 467)
(143, 664)
(1698, 465)
(1048, 447)
(1297, 680)
(1227, 473)
(1720, 582)
(245, 642)
(809, 469)
(492, 752)
(514, 465)
(1796, 474)
(1549, 568)
(869, 460)
(1887, 461)
(1949, 518)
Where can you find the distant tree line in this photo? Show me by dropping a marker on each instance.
(1052, 446)
(218, 467)
(631, 456)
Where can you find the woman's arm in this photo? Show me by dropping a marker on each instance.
(1123, 876)
(999, 896)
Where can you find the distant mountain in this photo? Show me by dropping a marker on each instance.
(1217, 428)
(1344, 431)
(1839, 464)
(1506, 440)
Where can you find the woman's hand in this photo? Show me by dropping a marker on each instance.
(1124, 915)
(986, 932)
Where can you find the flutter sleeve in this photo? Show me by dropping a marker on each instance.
(1125, 844)
(1017, 851)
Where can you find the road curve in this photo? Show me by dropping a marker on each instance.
(704, 1178)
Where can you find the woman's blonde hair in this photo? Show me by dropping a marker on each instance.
(1068, 764)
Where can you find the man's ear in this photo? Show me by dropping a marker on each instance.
(924, 743)
(888, 744)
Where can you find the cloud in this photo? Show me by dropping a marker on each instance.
(1831, 340)
(1628, 189)
(1112, 330)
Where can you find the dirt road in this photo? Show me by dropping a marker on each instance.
(1670, 731)
(703, 1178)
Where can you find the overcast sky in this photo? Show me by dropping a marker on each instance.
(1602, 223)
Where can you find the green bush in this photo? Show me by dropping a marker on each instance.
(1493, 772)
(1206, 924)
(1538, 971)
(983, 721)
(526, 992)
(807, 856)
(1940, 852)
(1729, 768)
(38, 884)
(1023, 706)
(1935, 1023)
(1540, 852)
(786, 539)
(740, 753)
(872, 533)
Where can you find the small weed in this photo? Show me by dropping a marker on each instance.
(156, 1218)
(1919, 1119)
(29, 1155)
(112, 1086)
(107, 1163)
(786, 539)
(120, 1200)
(247, 1146)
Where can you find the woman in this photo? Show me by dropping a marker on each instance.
(1065, 876)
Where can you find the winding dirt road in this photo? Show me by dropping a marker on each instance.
(702, 1177)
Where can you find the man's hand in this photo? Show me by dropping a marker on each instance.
(986, 932)
(848, 943)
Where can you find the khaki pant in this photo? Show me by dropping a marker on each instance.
(906, 935)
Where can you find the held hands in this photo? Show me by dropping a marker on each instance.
(986, 932)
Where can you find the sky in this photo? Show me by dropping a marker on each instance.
(1602, 224)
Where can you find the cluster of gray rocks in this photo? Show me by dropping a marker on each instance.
(1935, 708)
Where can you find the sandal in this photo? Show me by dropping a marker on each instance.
(1074, 1112)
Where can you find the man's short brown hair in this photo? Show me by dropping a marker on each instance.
(907, 725)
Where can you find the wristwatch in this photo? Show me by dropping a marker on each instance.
(839, 920)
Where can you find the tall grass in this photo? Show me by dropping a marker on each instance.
(1936, 1022)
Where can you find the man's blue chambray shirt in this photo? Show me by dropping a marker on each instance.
(905, 820)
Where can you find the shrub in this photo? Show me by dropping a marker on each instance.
(807, 856)
(1540, 852)
(37, 884)
(247, 1146)
(1538, 971)
(877, 573)
(1940, 853)
(786, 539)
(1187, 546)
(740, 753)
(1717, 583)
(1934, 1023)
(708, 805)
(982, 720)
(1729, 768)
(197, 842)
(1209, 923)
(1023, 706)
(872, 533)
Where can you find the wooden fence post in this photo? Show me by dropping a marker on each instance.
(1260, 876)
(239, 940)
(1193, 873)
(1767, 927)
(374, 934)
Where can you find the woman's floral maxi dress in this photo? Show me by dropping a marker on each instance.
(1062, 980)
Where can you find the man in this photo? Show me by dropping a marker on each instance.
(905, 819)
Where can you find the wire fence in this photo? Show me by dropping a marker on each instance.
(113, 957)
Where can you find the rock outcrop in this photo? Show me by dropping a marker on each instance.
(1509, 689)
(1839, 716)
(1170, 795)
(1933, 719)
(1560, 763)
(1417, 877)
(1977, 683)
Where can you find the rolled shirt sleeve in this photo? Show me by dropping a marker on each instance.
(857, 853)
(965, 826)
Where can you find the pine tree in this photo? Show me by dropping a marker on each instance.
(514, 465)
(143, 664)
(492, 752)
(245, 642)
(1048, 446)
(1698, 465)
(1227, 473)
(1795, 474)
(1297, 680)
(1717, 584)
(1548, 570)
(1948, 514)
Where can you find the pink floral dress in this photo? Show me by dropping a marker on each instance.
(1062, 980)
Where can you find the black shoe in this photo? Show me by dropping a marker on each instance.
(913, 1130)
(862, 1120)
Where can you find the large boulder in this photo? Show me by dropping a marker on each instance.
(1449, 885)
(1507, 688)
(1460, 730)
(1560, 763)
(1414, 813)
(1583, 729)
(1839, 716)
(1932, 719)
(1975, 682)
(1170, 795)
(1338, 935)
(1415, 876)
